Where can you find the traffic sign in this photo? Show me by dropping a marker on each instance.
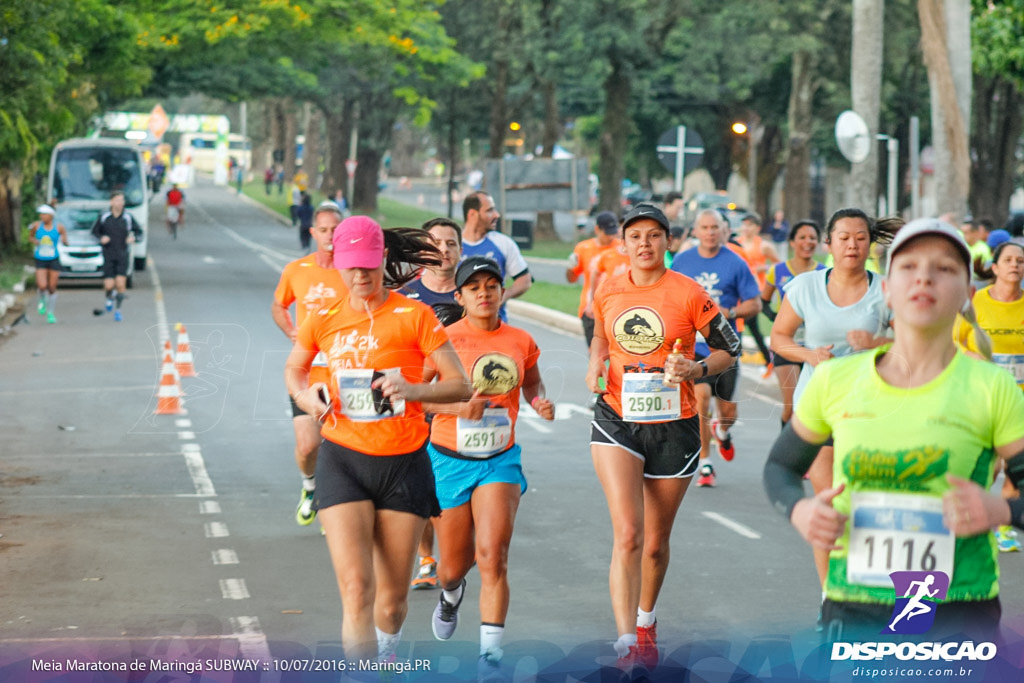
(680, 150)
(350, 166)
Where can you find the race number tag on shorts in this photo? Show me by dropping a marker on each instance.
(356, 395)
(646, 398)
(1012, 362)
(489, 435)
(896, 532)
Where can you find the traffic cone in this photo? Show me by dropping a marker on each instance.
(183, 359)
(168, 400)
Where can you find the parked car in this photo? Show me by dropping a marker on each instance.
(82, 258)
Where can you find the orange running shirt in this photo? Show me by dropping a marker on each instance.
(496, 363)
(752, 251)
(642, 323)
(587, 253)
(312, 287)
(397, 337)
(611, 262)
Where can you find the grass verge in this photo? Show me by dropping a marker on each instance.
(390, 214)
(564, 298)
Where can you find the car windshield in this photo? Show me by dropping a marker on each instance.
(77, 219)
(93, 173)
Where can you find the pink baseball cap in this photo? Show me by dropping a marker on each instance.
(358, 243)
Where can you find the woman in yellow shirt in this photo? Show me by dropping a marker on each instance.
(1000, 312)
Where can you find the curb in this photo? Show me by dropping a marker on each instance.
(563, 322)
(266, 209)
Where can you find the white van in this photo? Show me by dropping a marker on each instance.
(83, 173)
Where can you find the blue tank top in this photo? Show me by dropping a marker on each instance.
(783, 274)
(46, 249)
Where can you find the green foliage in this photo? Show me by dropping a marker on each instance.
(997, 48)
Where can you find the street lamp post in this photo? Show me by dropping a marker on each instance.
(752, 133)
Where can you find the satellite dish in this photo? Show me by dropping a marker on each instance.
(853, 137)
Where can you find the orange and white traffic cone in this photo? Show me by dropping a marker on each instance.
(168, 400)
(183, 359)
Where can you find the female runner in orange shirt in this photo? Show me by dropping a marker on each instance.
(477, 460)
(645, 437)
(375, 487)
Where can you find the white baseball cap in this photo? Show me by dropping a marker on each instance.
(46, 208)
(928, 226)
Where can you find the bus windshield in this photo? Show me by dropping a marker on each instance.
(93, 173)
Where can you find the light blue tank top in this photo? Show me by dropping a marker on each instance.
(46, 249)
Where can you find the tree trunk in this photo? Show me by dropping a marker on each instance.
(544, 229)
(10, 205)
(311, 153)
(264, 139)
(291, 130)
(797, 198)
(866, 87)
(614, 132)
(498, 110)
(364, 190)
(946, 43)
(339, 133)
(998, 123)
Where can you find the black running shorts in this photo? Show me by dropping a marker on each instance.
(115, 264)
(404, 483)
(669, 450)
(723, 385)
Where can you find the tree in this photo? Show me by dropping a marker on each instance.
(62, 60)
(998, 57)
(946, 42)
(866, 80)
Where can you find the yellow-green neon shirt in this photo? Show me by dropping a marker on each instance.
(905, 441)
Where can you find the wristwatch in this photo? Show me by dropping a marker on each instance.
(703, 368)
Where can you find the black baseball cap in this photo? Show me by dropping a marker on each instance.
(476, 264)
(648, 211)
(608, 222)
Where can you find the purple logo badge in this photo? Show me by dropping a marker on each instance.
(917, 595)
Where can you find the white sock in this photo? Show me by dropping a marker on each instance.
(721, 433)
(308, 483)
(387, 643)
(622, 645)
(453, 597)
(490, 640)
(51, 302)
(645, 619)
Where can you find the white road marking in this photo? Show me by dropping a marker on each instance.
(731, 525)
(270, 262)
(225, 556)
(183, 423)
(233, 589)
(197, 470)
(209, 507)
(251, 641)
(186, 436)
(536, 424)
(216, 530)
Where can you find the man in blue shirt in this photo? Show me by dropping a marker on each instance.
(481, 238)
(727, 279)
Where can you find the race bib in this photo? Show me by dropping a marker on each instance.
(646, 398)
(356, 396)
(489, 435)
(46, 248)
(896, 532)
(1011, 362)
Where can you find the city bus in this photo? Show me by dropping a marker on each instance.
(200, 150)
(83, 173)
